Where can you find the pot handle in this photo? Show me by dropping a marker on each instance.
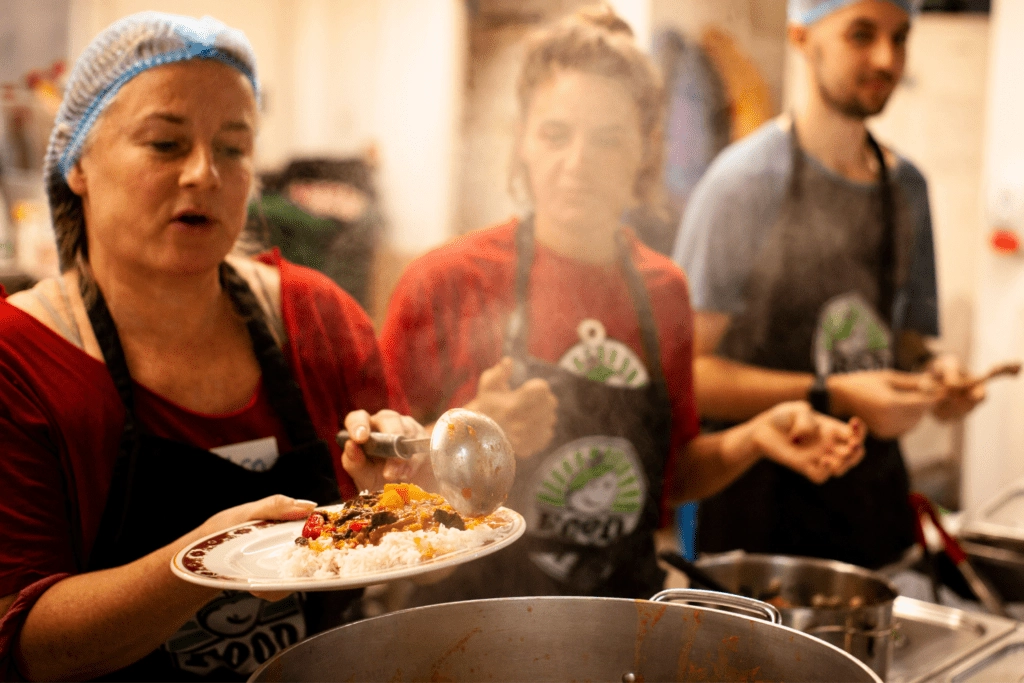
(716, 600)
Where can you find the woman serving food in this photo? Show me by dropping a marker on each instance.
(577, 339)
(159, 386)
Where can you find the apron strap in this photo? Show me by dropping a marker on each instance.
(283, 391)
(105, 330)
(796, 156)
(517, 332)
(648, 326)
(887, 245)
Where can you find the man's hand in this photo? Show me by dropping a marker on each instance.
(957, 399)
(370, 474)
(891, 403)
(814, 445)
(527, 414)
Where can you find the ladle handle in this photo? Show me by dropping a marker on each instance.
(381, 445)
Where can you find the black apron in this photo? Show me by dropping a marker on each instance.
(592, 497)
(820, 300)
(162, 489)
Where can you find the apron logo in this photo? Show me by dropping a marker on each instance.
(238, 632)
(604, 360)
(591, 491)
(850, 336)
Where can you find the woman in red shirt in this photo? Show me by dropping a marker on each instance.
(578, 339)
(159, 386)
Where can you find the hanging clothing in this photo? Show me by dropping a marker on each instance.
(697, 121)
(820, 299)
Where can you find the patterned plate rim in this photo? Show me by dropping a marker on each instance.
(188, 563)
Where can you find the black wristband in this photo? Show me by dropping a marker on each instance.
(818, 396)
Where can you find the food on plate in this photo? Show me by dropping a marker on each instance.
(402, 525)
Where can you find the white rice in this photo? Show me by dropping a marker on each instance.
(396, 549)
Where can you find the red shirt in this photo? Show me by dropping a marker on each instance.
(165, 418)
(61, 420)
(446, 319)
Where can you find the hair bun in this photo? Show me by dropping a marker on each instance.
(603, 16)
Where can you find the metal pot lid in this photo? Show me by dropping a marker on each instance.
(1002, 517)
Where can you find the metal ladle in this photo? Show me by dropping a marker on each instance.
(472, 459)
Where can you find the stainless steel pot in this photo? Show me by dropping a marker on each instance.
(840, 603)
(569, 638)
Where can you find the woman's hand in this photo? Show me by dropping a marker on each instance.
(370, 474)
(815, 445)
(278, 507)
(527, 414)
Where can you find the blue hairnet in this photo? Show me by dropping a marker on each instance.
(806, 12)
(121, 52)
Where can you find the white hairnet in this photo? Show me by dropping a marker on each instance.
(806, 12)
(122, 51)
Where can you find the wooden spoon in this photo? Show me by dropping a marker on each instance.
(1009, 369)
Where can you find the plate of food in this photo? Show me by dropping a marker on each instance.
(399, 532)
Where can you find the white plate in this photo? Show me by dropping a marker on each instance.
(249, 556)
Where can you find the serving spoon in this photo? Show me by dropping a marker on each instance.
(472, 459)
(1010, 369)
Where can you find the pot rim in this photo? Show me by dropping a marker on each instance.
(788, 561)
(575, 598)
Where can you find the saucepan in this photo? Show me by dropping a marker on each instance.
(678, 635)
(845, 605)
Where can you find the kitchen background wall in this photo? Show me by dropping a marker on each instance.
(994, 451)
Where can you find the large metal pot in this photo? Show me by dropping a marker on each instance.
(840, 603)
(565, 639)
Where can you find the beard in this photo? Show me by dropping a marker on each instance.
(847, 103)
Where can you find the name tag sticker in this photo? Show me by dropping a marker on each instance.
(258, 455)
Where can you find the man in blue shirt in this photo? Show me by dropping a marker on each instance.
(811, 263)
